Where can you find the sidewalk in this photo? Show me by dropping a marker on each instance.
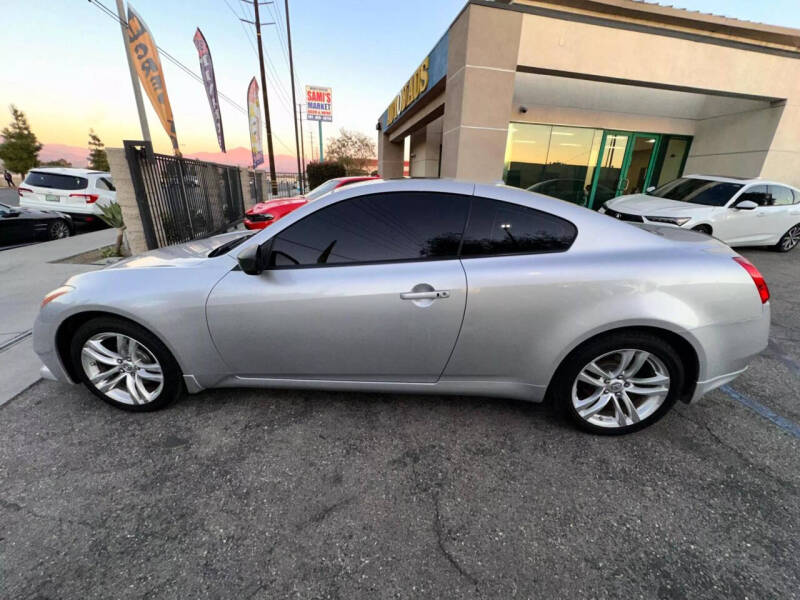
(26, 275)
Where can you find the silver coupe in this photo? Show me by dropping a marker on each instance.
(421, 286)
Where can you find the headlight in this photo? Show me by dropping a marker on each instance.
(59, 291)
(679, 221)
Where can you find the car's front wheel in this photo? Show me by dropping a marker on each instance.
(125, 365)
(789, 240)
(619, 383)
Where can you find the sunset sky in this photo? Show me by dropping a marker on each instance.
(64, 64)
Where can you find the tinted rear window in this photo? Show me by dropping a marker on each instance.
(497, 227)
(56, 181)
(698, 191)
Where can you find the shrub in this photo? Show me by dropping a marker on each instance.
(320, 172)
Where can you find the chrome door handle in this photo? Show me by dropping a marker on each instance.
(433, 295)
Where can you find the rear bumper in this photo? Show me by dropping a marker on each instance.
(727, 349)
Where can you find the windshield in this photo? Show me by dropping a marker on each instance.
(698, 191)
(322, 189)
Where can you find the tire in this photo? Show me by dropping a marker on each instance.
(789, 240)
(95, 350)
(616, 395)
(58, 229)
(702, 229)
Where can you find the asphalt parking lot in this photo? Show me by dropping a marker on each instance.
(260, 494)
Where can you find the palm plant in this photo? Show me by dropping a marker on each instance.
(112, 216)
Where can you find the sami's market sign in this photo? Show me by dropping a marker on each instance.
(318, 103)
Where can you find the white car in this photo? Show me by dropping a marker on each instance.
(739, 212)
(76, 192)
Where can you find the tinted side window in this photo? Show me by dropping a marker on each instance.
(758, 194)
(497, 227)
(781, 195)
(104, 184)
(375, 228)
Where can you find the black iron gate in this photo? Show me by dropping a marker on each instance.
(182, 199)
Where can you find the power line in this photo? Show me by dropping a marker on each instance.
(111, 14)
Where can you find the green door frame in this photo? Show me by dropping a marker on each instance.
(626, 161)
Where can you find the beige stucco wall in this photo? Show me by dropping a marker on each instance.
(482, 60)
(757, 143)
(424, 150)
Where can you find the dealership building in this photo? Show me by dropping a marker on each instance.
(588, 99)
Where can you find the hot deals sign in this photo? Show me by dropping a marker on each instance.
(318, 101)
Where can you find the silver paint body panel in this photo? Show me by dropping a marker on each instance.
(507, 324)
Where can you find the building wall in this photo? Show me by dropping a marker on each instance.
(424, 150)
(760, 143)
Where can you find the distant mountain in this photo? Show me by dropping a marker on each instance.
(74, 154)
(284, 163)
(236, 156)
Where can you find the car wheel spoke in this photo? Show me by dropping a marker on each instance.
(630, 408)
(626, 357)
(110, 384)
(636, 364)
(595, 408)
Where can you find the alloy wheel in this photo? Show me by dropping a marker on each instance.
(620, 388)
(59, 230)
(122, 368)
(791, 238)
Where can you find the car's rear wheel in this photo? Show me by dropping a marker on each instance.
(619, 383)
(58, 229)
(789, 240)
(125, 365)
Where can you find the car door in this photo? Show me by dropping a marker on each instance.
(369, 288)
(515, 263)
(11, 226)
(786, 214)
(741, 226)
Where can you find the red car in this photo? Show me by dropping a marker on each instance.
(264, 213)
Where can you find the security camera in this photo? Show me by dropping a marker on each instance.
(523, 109)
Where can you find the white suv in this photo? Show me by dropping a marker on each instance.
(77, 192)
(739, 212)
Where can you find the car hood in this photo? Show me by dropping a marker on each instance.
(190, 254)
(642, 204)
(263, 207)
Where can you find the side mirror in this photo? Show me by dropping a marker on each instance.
(650, 189)
(746, 205)
(250, 260)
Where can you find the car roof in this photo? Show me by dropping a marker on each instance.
(68, 171)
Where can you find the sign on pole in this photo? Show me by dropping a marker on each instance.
(318, 100)
(254, 114)
(210, 81)
(148, 66)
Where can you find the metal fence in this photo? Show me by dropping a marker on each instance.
(182, 199)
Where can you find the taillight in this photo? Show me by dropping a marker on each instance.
(90, 198)
(20, 190)
(757, 277)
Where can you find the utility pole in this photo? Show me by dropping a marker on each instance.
(137, 91)
(294, 99)
(320, 141)
(270, 151)
(302, 141)
(311, 143)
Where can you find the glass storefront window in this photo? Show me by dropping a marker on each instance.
(552, 160)
(589, 166)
